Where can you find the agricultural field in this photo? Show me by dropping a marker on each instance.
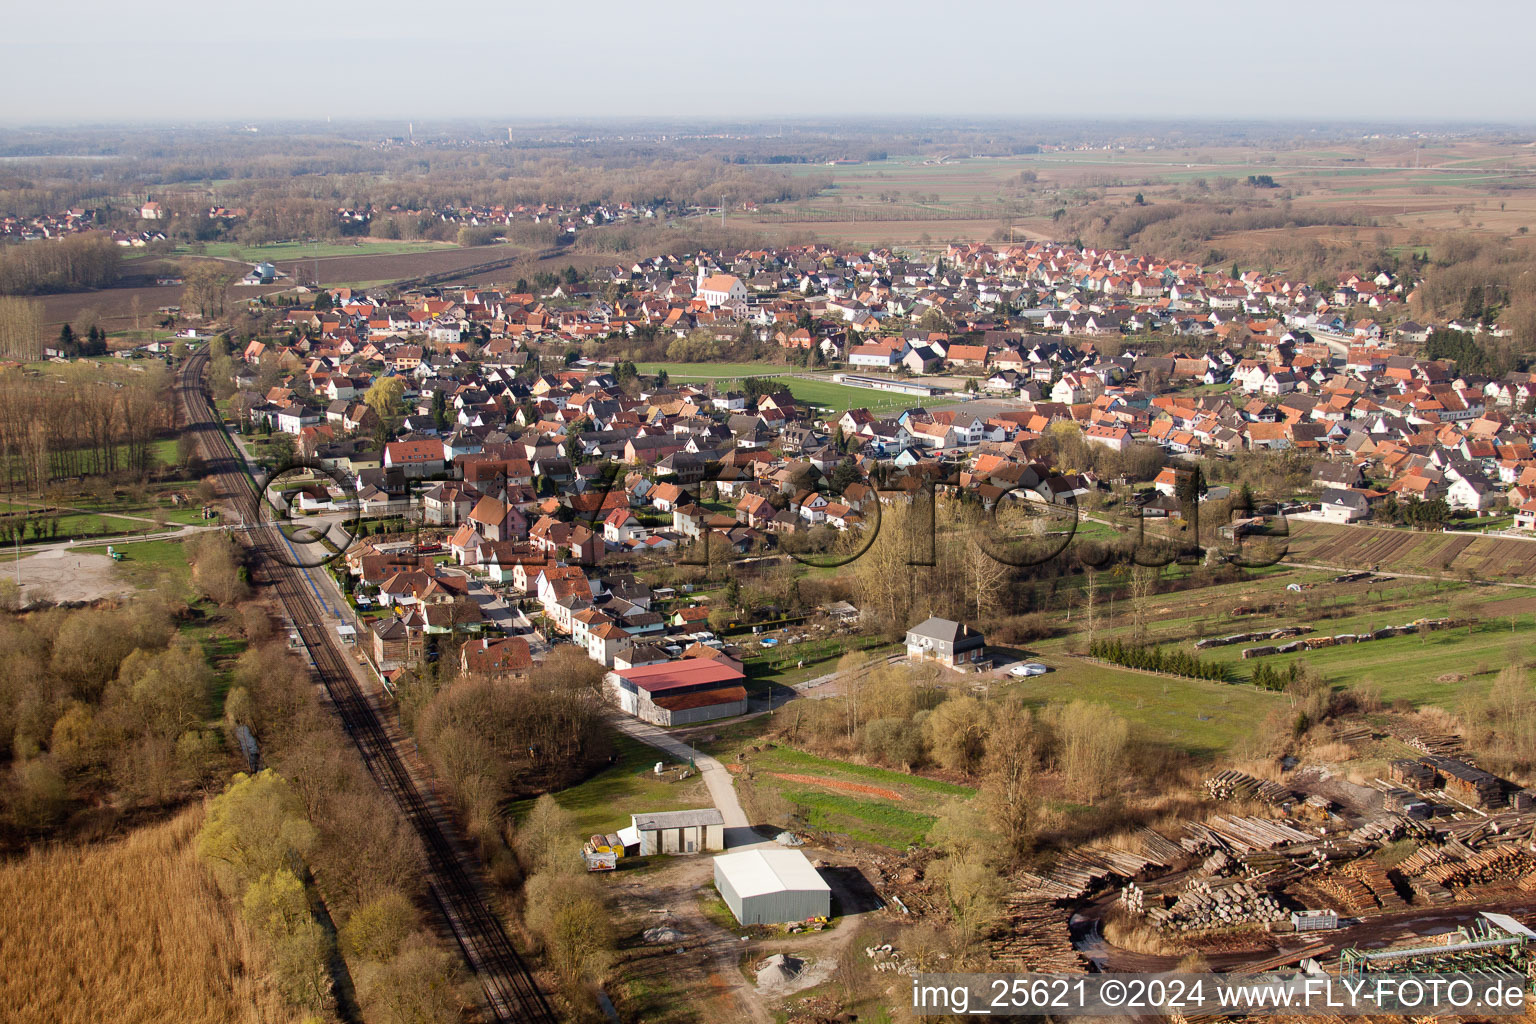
(362, 264)
(132, 303)
(130, 930)
(1389, 550)
(1438, 668)
(928, 201)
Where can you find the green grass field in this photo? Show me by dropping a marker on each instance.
(840, 397)
(839, 807)
(604, 802)
(877, 822)
(1401, 668)
(711, 371)
(1203, 719)
(820, 391)
(788, 664)
(158, 564)
(305, 250)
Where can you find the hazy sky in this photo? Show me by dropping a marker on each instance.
(160, 60)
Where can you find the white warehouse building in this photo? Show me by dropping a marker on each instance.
(772, 886)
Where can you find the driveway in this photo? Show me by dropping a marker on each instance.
(739, 833)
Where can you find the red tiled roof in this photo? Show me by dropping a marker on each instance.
(674, 674)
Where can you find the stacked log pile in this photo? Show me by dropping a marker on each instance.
(1242, 834)
(1159, 849)
(1385, 830)
(1375, 878)
(1232, 784)
(1243, 638)
(1427, 741)
(1081, 871)
(1383, 633)
(1421, 860)
(1476, 831)
(1494, 864)
(1352, 894)
(1268, 868)
(1432, 892)
(1209, 903)
(1355, 736)
(1036, 937)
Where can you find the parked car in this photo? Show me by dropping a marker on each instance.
(1028, 668)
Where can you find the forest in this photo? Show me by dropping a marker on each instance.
(76, 263)
(80, 424)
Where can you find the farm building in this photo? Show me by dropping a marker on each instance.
(772, 886)
(949, 643)
(679, 831)
(679, 692)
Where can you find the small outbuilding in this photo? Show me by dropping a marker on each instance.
(772, 886)
(697, 831)
(1315, 920)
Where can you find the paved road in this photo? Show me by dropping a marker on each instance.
(96, 542)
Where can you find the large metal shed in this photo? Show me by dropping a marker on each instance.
(772, 886)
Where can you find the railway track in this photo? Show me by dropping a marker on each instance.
(510, 989)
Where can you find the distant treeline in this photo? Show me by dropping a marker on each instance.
(1174, 228)
(72, 264)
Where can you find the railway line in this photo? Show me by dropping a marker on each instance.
(510, 989)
